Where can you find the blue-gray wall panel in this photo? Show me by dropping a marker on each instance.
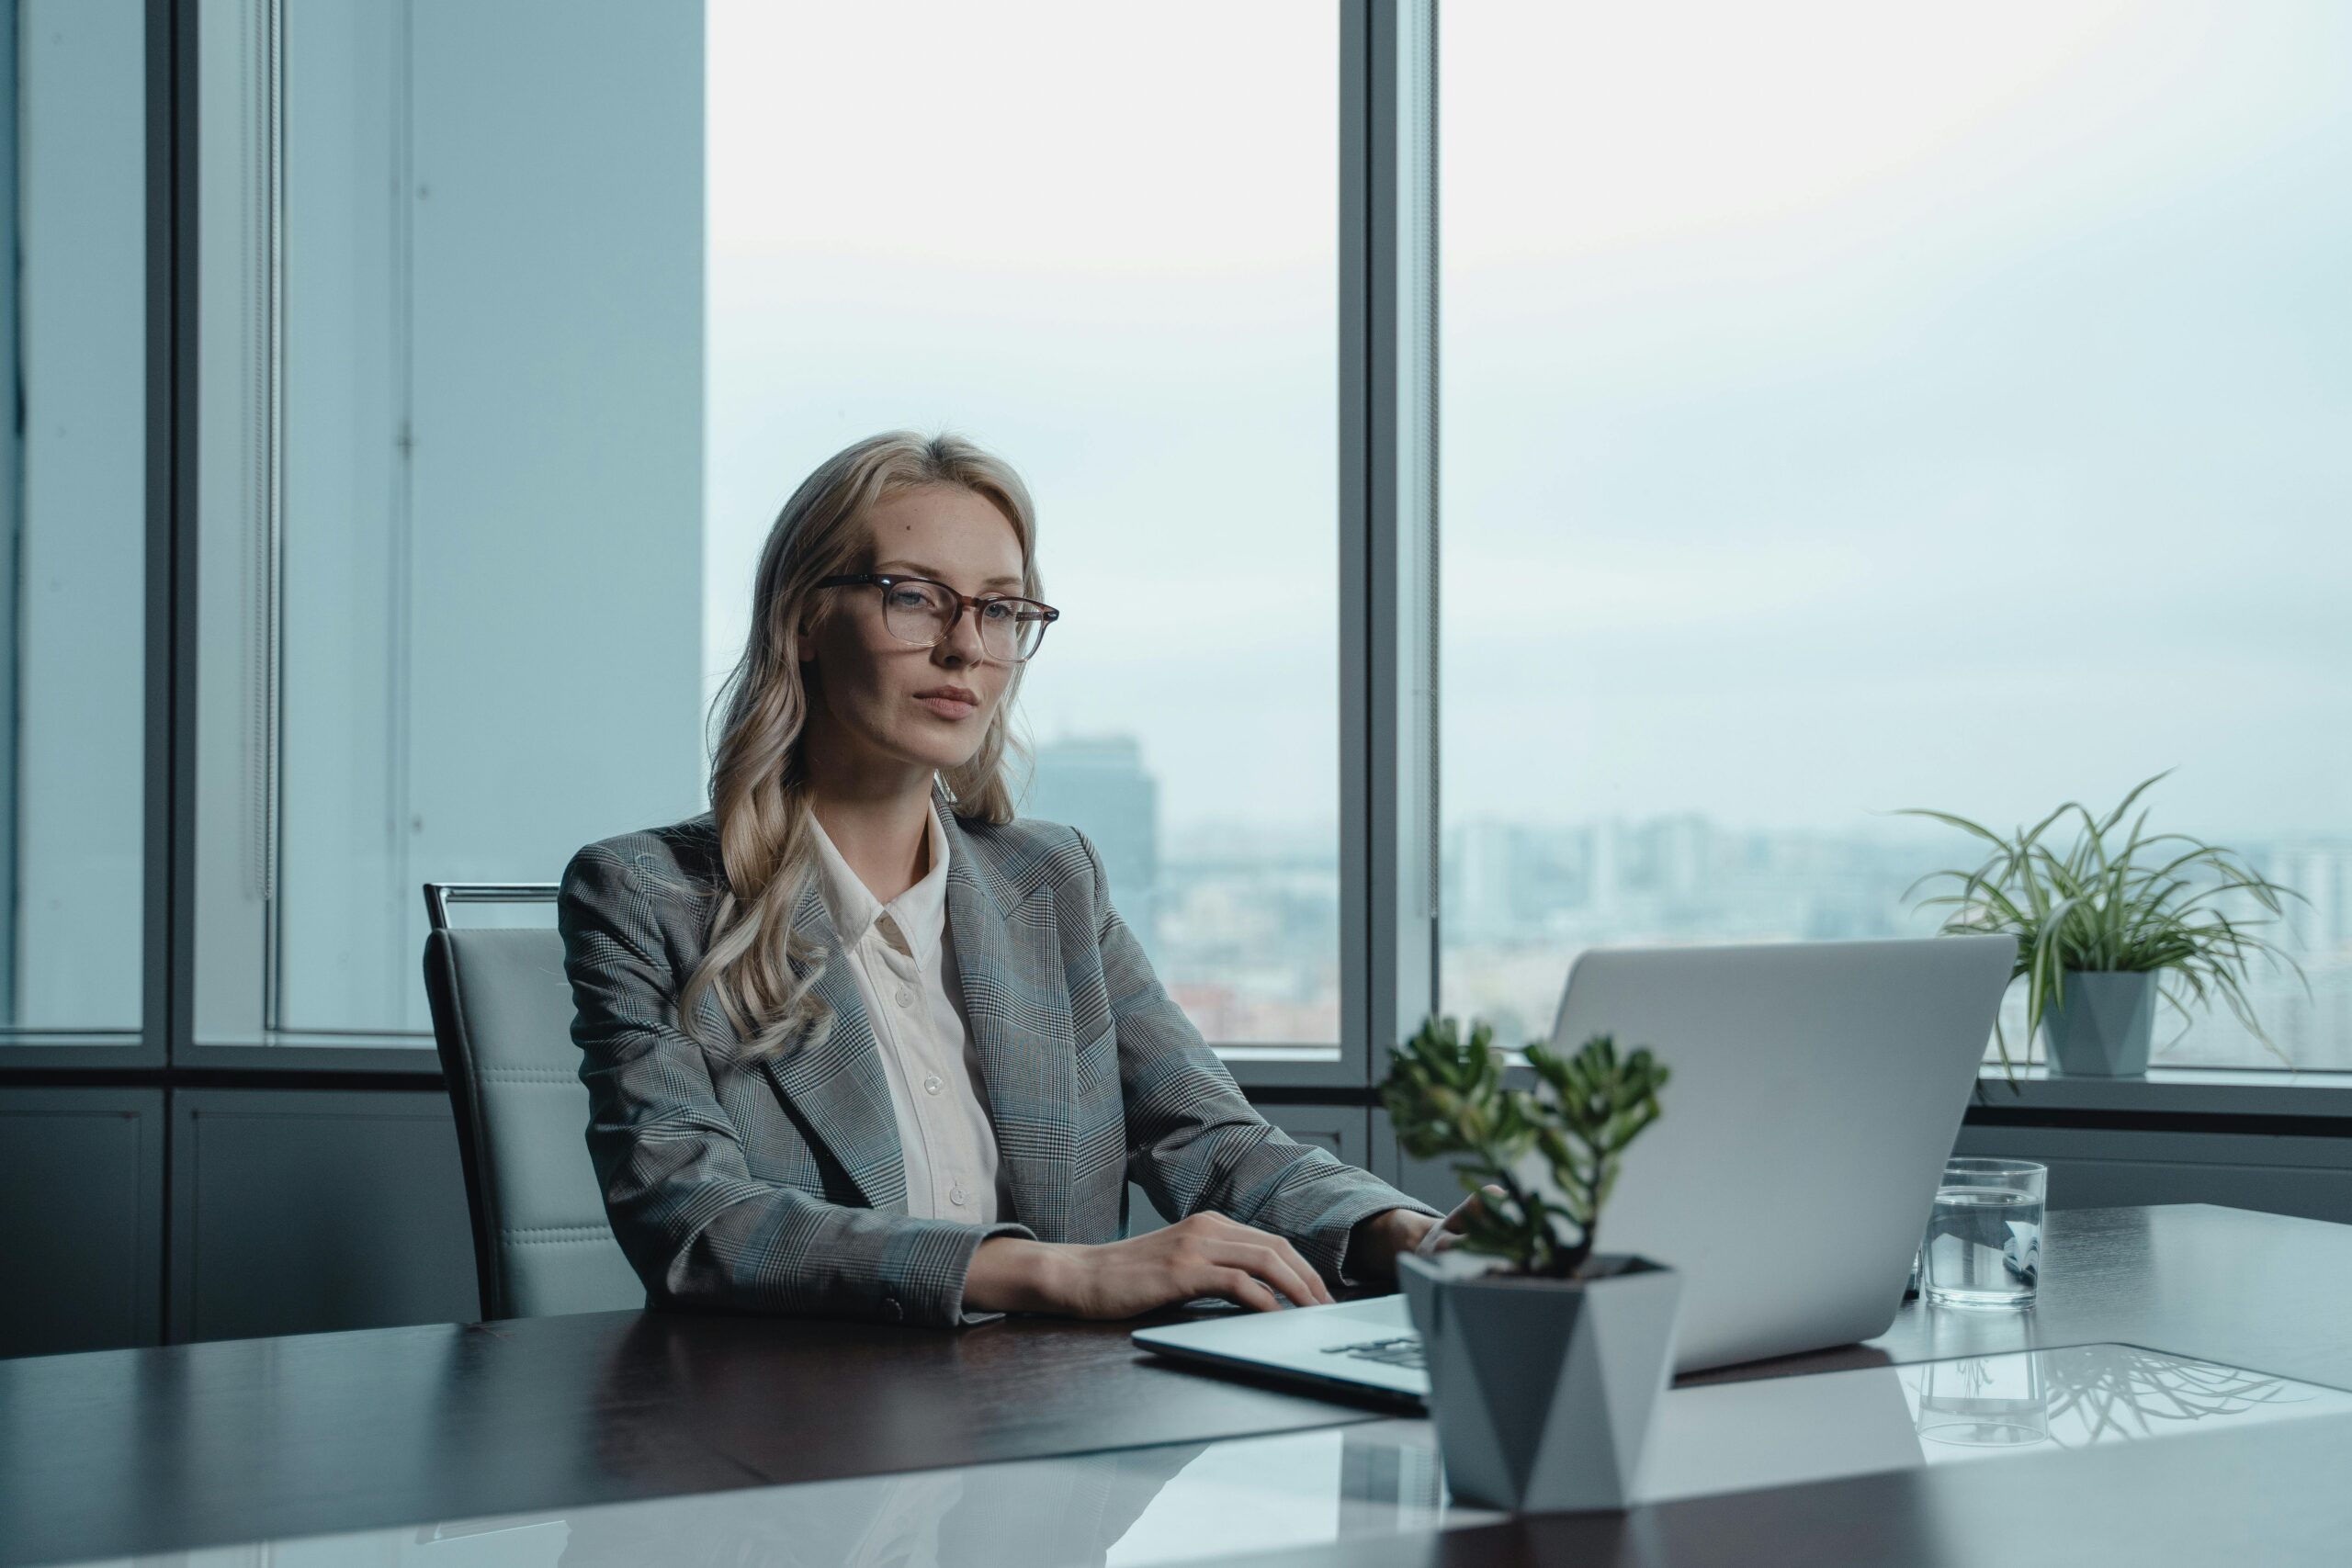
(2310, 1177)
(81, 1219)
(299, 1210)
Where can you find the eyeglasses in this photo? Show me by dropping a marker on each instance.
(923, 611)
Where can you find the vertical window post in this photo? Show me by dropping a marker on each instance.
(1389, 497)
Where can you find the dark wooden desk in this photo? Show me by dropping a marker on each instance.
(115, 1452)
(121, 1453)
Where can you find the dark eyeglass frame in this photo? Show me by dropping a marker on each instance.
(1045, 614)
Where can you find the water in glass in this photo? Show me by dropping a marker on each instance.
(1983, 1247)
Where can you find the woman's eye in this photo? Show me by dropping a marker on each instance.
(908, 599)
(998, 610)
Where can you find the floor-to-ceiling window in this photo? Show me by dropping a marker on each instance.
(1101, 241)
(1852, 407)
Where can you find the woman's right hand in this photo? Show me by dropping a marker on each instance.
(1205, 1255)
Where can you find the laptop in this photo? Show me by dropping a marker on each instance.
(1817, 1090)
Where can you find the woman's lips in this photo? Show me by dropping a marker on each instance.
(949, 707)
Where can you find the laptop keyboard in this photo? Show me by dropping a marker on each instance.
(1404, 1351)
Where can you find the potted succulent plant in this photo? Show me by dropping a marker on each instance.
(1547, 1362)
(2101, 925)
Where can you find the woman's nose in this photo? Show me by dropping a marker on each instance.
(962, 643)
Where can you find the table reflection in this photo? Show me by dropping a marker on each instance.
(1140, 1506)
(1786, 1431)
(1059, 1512)
(2080, 1394)
(1195, 1502)
(1984, 1402)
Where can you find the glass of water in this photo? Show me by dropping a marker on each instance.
(1984, 1241)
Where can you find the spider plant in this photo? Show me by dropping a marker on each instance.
(2136, 903)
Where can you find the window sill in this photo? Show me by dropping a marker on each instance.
(2200, 1092)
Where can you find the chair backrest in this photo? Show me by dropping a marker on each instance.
(502, 1017)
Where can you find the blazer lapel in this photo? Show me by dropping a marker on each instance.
(1008, 956)
(835, 1080)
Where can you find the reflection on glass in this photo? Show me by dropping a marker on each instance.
(1891, 412)
(1786, 1431)
(1137, 1508)
(2084, 1394)
(1049, 1513)
(72, 515)
(1299, 1489)
(1984, 1402)
(1191, 1502)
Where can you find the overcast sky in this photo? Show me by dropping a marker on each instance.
(1845, 408)
(1102, 243)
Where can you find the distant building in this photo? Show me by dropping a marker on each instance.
(1505, 883)
(1098, 785)
(2314, 924)
(1485, 895)
(1674, 854)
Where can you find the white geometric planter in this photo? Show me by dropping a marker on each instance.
(1543, 1390)
(2105, 1026)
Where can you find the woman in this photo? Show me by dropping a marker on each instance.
(859, 1041)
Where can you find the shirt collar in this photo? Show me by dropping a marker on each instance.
(920, 913)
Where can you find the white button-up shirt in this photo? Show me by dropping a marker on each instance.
(900, 956)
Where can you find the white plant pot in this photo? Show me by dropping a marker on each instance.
(1543, 1390)
(2105, 1026)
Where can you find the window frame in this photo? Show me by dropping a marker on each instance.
(1388, 530)
(40, 1053)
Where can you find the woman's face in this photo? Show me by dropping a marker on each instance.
(924, 707)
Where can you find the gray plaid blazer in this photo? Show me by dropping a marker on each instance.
(779, 1186)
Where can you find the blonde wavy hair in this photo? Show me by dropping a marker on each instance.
(761, 972)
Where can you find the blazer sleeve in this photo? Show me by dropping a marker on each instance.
(1194, 1143)
(699, 1228)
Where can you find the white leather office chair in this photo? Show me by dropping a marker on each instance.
(501, 1018)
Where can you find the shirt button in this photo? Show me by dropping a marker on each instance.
(955, 1195)
(905, 999)
(931, 1083)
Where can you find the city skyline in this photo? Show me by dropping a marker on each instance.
(1244, 932)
